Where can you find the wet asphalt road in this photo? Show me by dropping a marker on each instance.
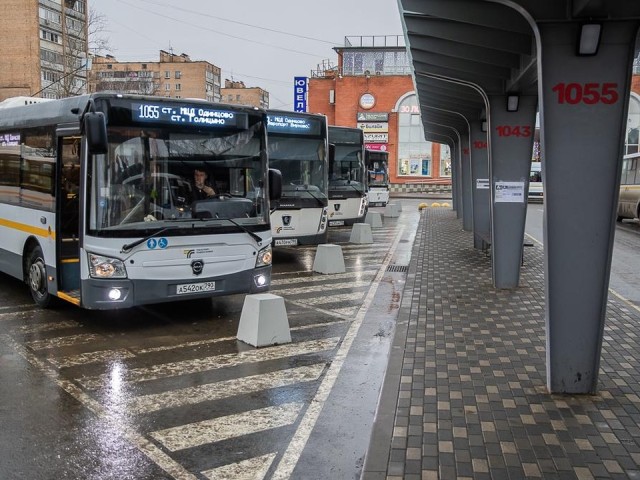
(168, 392)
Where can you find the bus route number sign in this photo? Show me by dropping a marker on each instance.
(183, 115)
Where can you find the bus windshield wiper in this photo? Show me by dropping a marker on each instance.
(309, 192)
(352, 186)
(257, 238)
(128, 246)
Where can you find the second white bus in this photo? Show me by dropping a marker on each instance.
(298, 149)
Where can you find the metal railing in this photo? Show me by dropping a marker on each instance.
(375, 41)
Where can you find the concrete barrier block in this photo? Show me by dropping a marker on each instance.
(264, 321)
(361, 233)
(392, 210)
(329, 259)
(374, 219)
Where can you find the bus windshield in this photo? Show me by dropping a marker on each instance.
(302, 163)
(347, 167)
(148, 179)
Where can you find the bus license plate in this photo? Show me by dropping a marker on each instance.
(336, 223)
(195, 287)
(286, 241)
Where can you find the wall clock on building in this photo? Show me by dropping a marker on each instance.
(367, 101)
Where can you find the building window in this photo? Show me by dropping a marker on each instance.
(178, 86)
(178, 74)
(237, 98)
(167, 86)
(445, 161)
(414, 152)
(230, 98)
(167, 74)
(144, 66)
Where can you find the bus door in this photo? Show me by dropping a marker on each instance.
(68, 214)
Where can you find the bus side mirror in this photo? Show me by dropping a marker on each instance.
(332, 152)
(95, 128)
(275, 184)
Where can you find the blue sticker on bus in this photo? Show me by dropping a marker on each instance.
(163, 242)
(151, 243)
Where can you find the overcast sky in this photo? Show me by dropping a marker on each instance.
(264, 43)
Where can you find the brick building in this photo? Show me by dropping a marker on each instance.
(44, 48)
(237, 93)
(175, 76)
(371, 87)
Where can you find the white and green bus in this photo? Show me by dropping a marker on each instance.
(97, 205)
(347, 176)
(298, 149)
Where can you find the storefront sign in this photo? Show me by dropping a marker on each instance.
(376, 137)
(300, 94)
(378, 127)
(372, 117)
(382, 147)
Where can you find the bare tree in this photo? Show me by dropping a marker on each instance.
(81, 34)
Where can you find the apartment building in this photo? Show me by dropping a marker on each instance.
(175, 76)
(238, 93)
(44, 48)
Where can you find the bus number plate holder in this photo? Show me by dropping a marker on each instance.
(286, 242)
(195, 287)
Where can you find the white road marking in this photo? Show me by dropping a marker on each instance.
(326, 298)
(228, 388)
(326, 288)
(250, 469)
(64, 341)
(197, 365)
(231, 426)
(155, 454)
(100, 356)
(46, 327)
(321, 279)
(299, 440)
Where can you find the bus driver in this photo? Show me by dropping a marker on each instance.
(202, 188)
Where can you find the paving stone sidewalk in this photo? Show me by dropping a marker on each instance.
(465, 394)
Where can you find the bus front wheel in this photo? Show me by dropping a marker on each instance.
(37, 278)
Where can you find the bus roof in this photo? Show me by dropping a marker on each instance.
(70, 110)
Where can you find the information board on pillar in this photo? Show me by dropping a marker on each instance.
(509, 192)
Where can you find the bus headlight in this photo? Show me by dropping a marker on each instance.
(264, 257)
(106, 267)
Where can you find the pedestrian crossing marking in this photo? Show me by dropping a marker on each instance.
(198, 365)
(231, 426)
(100, 356)
(66, 341)
(228, 388)
(250, 469)
(321, 279)
(47, 327)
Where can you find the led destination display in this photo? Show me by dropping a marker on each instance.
(187, 114)
(293, 124)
